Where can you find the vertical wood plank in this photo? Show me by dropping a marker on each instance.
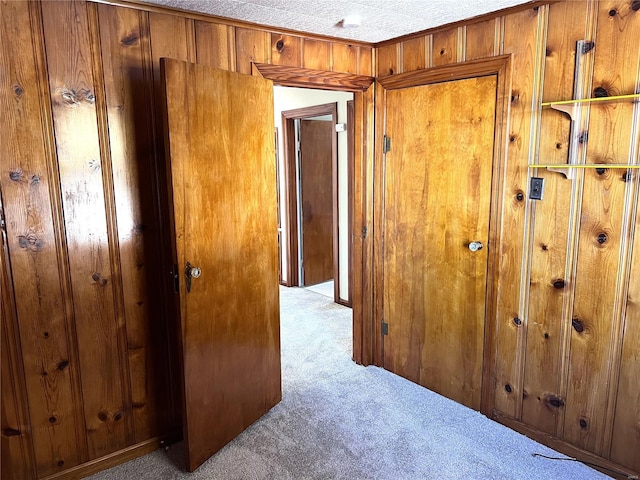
(388, 60)
(602, 243)
(520, 39)
(73, 97)
(481, 39)
(551, 229)
(212, 44)
(366, 66)
(251, 46)
(17, 460)
(286, 50)
(127, 81)
(445, 47)
(345, 58)
(316, 54)
(414, 54)
(28, 191)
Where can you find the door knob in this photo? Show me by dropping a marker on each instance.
(191, 272)
(475, 246)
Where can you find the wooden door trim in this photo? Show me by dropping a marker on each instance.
(501, 67)
(290, 181)
(362, 188)
(309, 78)
(351, 115)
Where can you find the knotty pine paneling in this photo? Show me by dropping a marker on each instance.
(251, 46)
(129, 102)
(316, 55)
(31, 209)
(603, 235)
(445, 47)
(105, 394)
(414, 54)
(544, 366)
(84, 192)
(286, 50)
(566, 333)
(212, 45)
(483, 39)
(521, 40)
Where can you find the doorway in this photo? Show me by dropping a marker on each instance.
(316, 190)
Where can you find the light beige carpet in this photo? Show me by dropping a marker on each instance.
(338, 420)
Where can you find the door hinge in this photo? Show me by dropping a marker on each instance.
(365, 231)
(176, 279)
(386, 144)
(385, 328)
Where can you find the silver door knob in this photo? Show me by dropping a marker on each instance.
(193, 272)
(475, 246)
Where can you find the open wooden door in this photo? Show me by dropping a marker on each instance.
(220, 149)
(316, 193)
(438, 175)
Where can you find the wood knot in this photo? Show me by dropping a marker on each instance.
(16, 175)
(69, 96)
(18, 90)
(30, 242)
(635, 5)
(512, 138)
(559, 283)
(442, 51)
(95, 276)
(45, 334)
(600, 92)
(558, 146)
(626, 176)
(584, 423)
(517, 321)
(63, 364)
(11, 432)
(601, 171)
(52, 419)
(130, 39)
(35, 179)
(520, 196)
(583, 138)
(546, 336)
(548, 52)
(117, 416)
(553, 401)
(391, 71)
(515, 97)
(61, 463)
(508, 388)
(103, 416)
(602, 238)
(613, 12)
(544, 248)
(577, 325)
(587, 47)
(280, 45)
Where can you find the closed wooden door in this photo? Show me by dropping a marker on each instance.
(316, 194)
(220, 151)
(437, 190)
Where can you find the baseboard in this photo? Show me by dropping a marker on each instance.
(566, 448)
(115, 458)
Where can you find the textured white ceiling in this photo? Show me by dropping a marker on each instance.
(381, 19)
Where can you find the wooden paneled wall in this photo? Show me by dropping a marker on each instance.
(87, 334)
(568, 288)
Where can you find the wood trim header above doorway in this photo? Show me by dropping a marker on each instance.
(308, 78)
(445, 73)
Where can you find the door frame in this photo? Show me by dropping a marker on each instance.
(363, 88)
(291, 181)
(501, 67)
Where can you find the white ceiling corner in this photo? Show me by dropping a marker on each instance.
(381, 19)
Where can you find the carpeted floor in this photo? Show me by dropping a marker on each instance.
(338, 420)
(325, 288)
